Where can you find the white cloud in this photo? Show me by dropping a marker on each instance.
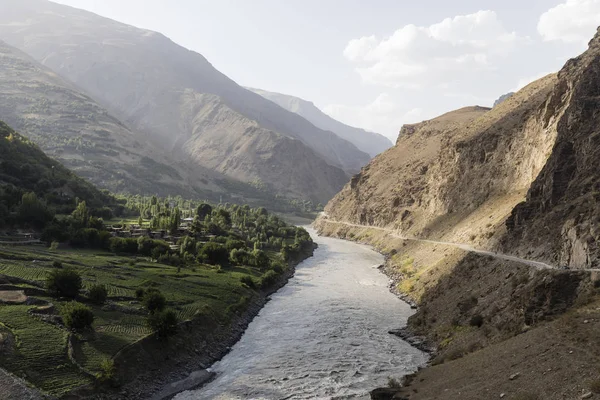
(442, 55)
(383, 115)
(574, 21)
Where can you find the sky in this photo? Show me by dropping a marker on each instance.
(375, 64)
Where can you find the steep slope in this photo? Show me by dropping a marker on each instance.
(369, 142)
(519, 179)
(73, 128)
(25, 168)
(145, 79)
(560, 221)
(254, 154)
(436, 178)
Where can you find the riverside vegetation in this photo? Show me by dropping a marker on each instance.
(90, 289)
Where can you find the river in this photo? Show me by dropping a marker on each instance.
(322, 336)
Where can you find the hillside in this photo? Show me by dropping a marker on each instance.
(154, 86)
(73, 128)
(370, 142)
(519, 180)
(25, 168)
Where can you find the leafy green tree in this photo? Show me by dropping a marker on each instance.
(64, 283)
(98, 294)
(164, 323)
(77, 316)
(81, 215)
(203, 210)
(154, 301)
(214, 253)
(34, 212)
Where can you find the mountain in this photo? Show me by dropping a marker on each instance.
(491, 222)
(370, 142)
(25, 168)
(502, 98)
(179, 102)
(73, 128)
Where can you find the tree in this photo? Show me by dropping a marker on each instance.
(64, 283)
(154, 300)
(98, 294)
(203, 210)
(214, 253)
(80, 216)
(164, 323)
(77, 316)
(34, 212)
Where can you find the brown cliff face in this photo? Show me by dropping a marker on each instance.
(457, 175)
(560, 220)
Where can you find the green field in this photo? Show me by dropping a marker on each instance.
(38, 352)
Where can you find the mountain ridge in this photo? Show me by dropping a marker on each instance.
(369, 142)
(145, 80)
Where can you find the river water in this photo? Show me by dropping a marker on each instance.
(322, 336)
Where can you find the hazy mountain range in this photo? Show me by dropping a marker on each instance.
(166, 97)
(369, 142)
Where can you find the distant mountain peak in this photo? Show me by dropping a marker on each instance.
(369, 142)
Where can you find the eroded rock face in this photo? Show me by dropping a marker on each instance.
(442, 175)
(560, 216)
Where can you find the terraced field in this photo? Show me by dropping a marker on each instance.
(39, 350)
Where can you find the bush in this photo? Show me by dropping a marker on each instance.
(107, 370)
(77, 316)
(54, 245)
(164, 323)
(268, 279)
(139, 293)
(98, 294)
(248, 281)
(57, 264)
(154, 301)
(64, 283)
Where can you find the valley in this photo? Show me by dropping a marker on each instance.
(171, 229)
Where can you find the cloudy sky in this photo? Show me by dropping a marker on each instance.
(375, 64)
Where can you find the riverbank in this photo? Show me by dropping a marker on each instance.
(492, 321)
(324, 334)
(198, 345)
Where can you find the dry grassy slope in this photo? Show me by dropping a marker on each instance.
(141, 76)
(230, 143)
(71, 127)
(560, 221)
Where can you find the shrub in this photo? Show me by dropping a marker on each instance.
(77, 316)
(154, 301)
(268, 279)
(64, 283)
(164, 323)
(248, 281)
(98, 294)
(107, 370)
(54, 245)
(57, 264)
(139, 293)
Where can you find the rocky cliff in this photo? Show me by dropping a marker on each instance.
(521, 180)
(560, 220)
